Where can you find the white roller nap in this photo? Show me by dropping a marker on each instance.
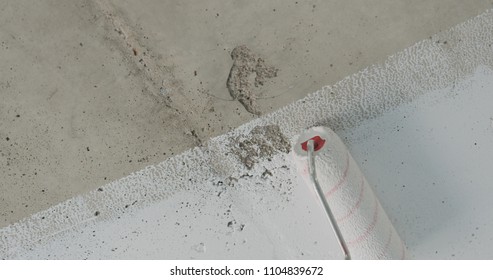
(365, 227)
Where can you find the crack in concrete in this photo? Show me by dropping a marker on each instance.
(158, 80)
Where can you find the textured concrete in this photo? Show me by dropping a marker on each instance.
(93, 90)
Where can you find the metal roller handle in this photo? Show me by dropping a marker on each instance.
(321, 195)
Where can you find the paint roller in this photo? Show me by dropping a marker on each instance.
(360, 224)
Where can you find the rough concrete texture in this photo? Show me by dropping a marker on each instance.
(93, 90)
(248, 71)
(261, 142)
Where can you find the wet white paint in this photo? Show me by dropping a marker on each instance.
(252, 219)
(205, 204)
(431, 164)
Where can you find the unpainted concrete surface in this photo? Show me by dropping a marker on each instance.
(93, 90)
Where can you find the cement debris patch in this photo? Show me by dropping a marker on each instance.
(248, 73)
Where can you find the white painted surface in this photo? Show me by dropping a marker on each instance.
(146, 215)
(431, 163)
(240, 223)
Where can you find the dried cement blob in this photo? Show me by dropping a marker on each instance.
(247, 74)
(262, 142)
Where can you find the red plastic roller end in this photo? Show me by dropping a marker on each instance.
(319, 143)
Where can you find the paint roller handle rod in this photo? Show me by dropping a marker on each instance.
(335, 227)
